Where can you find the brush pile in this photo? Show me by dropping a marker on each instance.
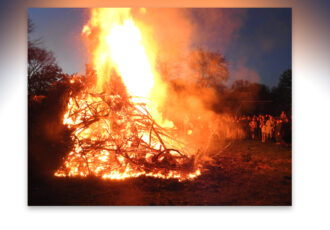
(116, 138)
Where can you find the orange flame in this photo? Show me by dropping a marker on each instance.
(121, 46)
(116, 44)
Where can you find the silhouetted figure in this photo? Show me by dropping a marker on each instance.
(253, 128)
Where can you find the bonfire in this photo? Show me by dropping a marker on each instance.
(117, 131)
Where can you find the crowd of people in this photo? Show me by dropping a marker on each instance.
(267, 128)
(262, 127)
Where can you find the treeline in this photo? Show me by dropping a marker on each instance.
(247, 98)
(204, 69)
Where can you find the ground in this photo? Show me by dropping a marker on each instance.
(245, 173)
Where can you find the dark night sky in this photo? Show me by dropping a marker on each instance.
(255, 42)
(265, 41)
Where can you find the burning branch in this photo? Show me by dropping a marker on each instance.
(117, 138)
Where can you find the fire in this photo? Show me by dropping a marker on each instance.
(122, 47)
(119, 47)
(127, 50)
(120, 133)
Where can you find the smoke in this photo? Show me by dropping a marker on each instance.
(215, 28)
(240, 71)
(171, 31)
(181, 45)
(187, 101)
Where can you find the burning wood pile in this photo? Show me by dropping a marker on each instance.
(115, 138)
(117, 130)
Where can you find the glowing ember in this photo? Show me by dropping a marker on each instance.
(115, 135)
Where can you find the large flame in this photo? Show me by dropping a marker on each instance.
(117, 43)
(117, 46)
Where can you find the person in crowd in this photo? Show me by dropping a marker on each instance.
(283, 116)
(278, 132)
(253, 128)
(263, 131)
(269, 128)
(273, 123)
(261, 123)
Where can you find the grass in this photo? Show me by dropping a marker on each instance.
(246, 173)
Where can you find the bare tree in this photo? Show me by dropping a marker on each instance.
(43, 70)
(209, 68)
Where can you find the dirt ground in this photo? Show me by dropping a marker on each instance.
(245, 173)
